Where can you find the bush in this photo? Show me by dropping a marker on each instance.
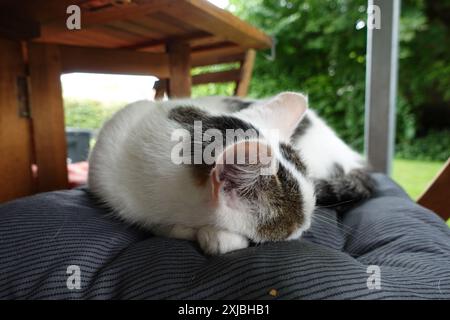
(88, 114)
(432, 147)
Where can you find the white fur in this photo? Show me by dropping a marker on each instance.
(131, 170)
(126, 170)
(218, 241)
(281, 113)
(320, 148)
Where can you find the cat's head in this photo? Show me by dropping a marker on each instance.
(260, 186)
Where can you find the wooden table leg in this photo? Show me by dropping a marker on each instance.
(246, 74)
(180, 70)
(15, 131)
(48, 116)
(160, 88)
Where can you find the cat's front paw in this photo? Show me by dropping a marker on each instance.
(216, 241)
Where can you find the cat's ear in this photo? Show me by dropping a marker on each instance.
(283, 113)
(239, 166)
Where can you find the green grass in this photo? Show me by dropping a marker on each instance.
(415, 176)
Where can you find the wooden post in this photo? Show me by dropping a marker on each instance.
(246, 74)
(381, 84)
(160, 88)
(180, 69)
(15, 136)
(47, 116)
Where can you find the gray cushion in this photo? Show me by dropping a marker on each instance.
(40, 236)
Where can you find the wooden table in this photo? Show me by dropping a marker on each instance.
(163, 38)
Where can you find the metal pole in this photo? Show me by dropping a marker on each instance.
(381, 82)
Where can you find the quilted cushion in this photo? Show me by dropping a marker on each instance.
(388, 236)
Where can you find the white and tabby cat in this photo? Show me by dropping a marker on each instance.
(221, 205)
(224, 206)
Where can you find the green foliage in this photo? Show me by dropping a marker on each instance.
(213, 89)
(433, 146)
(214, 68)
(88, 114)
(321, 48)
(319, 51)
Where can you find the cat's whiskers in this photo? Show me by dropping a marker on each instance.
(355, 234)
(332, 222)
(337, 204)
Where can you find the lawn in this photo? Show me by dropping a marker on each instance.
(414, 176)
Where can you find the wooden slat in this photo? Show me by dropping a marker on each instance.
(206, 16)
(136, 28)
(437, 196)
(216, 55)
(145, 45)
(180, 70)
(92, 18)
(215, 46)
(155, 49)
(15, 137)
(98, 37)
(205, 41)
(120, 33)
(70, 39)
(217, 77)
(82, 59)
(246, 74)
(40, 10)
(47, 116)
(178, 23)
(92, 37)
(164, 28)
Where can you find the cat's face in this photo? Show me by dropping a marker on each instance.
(267, 196)
(264, 202)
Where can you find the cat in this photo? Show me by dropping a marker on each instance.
(341, 175)
(135, 169)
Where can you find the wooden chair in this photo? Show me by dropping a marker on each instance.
(437, 196)
(240, 76)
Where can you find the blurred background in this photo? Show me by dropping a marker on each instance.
(320, 50)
